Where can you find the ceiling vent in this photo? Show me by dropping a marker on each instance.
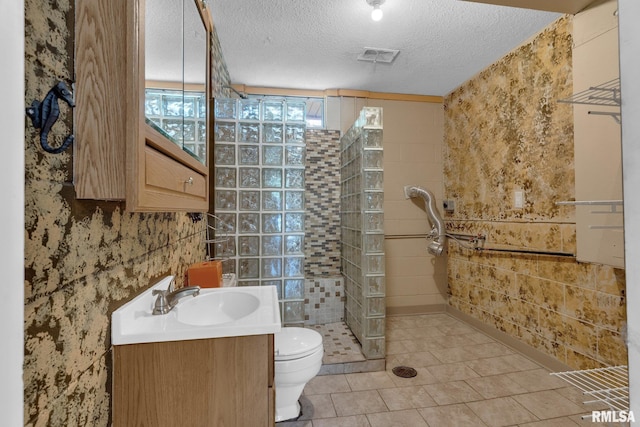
(373, 54)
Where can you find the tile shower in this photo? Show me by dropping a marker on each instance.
(362, 237)
(260, 202)
(297, 206)
(324, 285)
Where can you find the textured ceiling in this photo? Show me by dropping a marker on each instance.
(313, 44)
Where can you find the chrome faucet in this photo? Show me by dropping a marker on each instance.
(169, 298)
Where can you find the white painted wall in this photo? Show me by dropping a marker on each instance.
(629, 11)
(12, 119)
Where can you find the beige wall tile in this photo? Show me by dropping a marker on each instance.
(612, 348)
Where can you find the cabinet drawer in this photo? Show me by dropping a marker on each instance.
(166, 174)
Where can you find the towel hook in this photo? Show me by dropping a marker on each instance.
(44, 115)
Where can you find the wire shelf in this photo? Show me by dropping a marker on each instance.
(215, 234)
(605, 94)
(607, 385)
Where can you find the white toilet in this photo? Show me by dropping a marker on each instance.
(298, 358)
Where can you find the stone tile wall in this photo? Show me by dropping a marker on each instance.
(83, 259)
(324, 295)
(504, 131)
(322, 199)
(324, 300)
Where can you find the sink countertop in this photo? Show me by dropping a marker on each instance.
(133, 323)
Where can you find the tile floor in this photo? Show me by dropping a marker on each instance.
(465, 378)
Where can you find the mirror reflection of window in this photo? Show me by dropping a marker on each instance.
(164, 112)
(175, 73)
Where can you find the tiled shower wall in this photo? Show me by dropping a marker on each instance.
(83, 258)
(362, 230)
(504, 131)
(324, 286)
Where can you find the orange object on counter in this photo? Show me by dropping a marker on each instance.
(207, 274)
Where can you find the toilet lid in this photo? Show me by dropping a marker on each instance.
(294, 343)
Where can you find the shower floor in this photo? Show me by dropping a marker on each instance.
(340, 345)
(342, 353)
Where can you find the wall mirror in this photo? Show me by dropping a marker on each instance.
(176, 72)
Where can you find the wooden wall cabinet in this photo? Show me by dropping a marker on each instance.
(118, 156)
(221, 382)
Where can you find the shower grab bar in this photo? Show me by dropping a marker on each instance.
(474, 238)
(590, 202)
(528, 252)
(518, 250)
(406, 236)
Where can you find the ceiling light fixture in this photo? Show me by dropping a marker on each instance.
(376, 13)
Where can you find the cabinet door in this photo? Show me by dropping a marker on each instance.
(209, 382)
(103, 98)
(115, 125)
(598, 139)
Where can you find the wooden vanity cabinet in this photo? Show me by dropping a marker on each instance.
(221, 382)
(117, 154)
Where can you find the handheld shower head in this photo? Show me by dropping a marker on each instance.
(407, 191)
(436, 247)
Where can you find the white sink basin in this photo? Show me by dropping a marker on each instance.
(215, 308)
(215, 313)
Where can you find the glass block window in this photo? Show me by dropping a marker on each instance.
(260, 158)
(315, 113)
(309, 111)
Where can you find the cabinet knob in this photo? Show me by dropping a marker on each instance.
(189, 181)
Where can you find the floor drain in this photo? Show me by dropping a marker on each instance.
(404, 371)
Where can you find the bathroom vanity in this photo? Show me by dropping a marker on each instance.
(209, 361)
(207, 382)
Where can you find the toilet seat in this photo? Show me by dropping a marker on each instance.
(295, 343)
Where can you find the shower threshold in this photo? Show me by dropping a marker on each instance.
(342, 351)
